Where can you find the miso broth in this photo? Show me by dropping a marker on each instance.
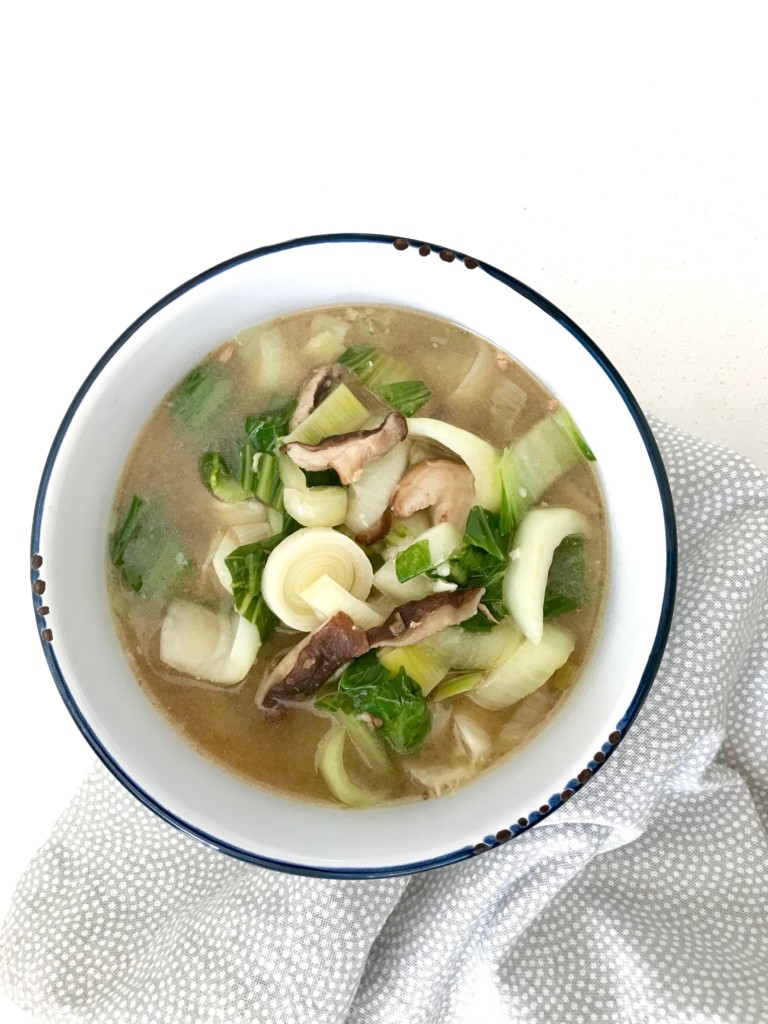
(204, 493)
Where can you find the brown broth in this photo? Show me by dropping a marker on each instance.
(224, 723)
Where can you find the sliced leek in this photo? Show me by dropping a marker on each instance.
(316, 506)
(310, 506)
(525, 579)
(327, 597)
(465, 651)
(302, 558)
(340, 413)
(528, 668)
(330, 764)
(208, 645)
(422, 663)
(480, 456)
(369, 746)
(235, 537)
(453, 687)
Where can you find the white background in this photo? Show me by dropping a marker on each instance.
(610, 155)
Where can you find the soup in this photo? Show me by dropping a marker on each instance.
(358, 555)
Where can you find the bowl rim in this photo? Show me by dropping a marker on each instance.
(665, 613)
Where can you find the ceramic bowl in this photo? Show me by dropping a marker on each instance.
(69, 540)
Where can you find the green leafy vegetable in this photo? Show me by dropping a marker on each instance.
(200, 396)
(127, 531)
(246, 567)
(322, 478)
(217, 477)
(266, 485)
(566, 583)
(407, 396)
(481, 562)
(386, 376)
(367, 687)
(576, 434)
(483, 530)
(147, 551)
(415, 560)
(263, 430)
(479, 623)
(258, 453)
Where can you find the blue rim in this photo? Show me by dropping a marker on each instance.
(647, 677)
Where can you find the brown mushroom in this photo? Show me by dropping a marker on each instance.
(374, 533)
(348, 453)
(315, 388)
(448, 488)
(416, 620)
(312, 662)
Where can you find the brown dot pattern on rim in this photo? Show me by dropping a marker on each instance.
(39, 586)
(470, 262)
(400, 244)
(47, 634)
(43, 610)
(447, 255)
(566, 794)
(424, 250)
(37, 561)
(481, 848)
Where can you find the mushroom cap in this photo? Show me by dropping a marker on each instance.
(447, 487)
(417, 620)
(348, 453)
(312, 662)
(315, 388)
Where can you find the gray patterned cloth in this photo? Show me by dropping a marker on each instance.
(643, 899)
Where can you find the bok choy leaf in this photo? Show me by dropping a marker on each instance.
(147, 551)
(200, 396)
(366, 687)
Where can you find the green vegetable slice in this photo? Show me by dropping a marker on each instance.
(367, 687)
(407, 396)
(532, 463)
(330, 764)
(483, 530)
(434, 547)
(566, 583)
(147, 551)
(264, 430)
(387, 377)
(200, 396)
(456, 685)
(218, 479)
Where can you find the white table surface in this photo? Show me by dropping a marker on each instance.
(613, 162)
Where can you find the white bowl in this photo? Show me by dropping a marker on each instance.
(70, 535)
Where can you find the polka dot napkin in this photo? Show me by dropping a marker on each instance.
(643, 899)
